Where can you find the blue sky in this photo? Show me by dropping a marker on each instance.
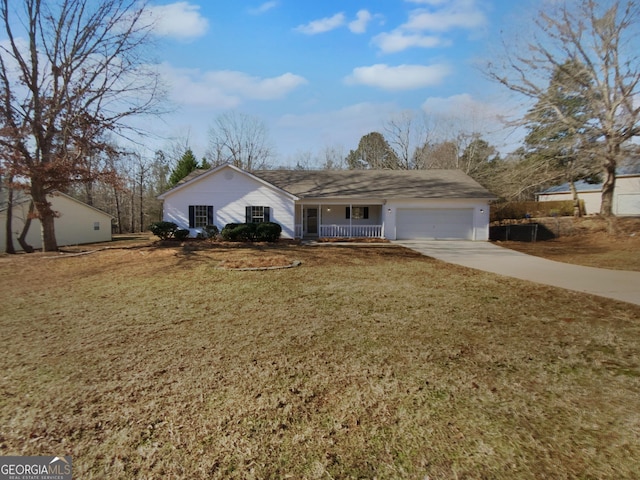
(323, 73)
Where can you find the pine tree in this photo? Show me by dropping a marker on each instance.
(185, 166)
(559, 133)
(373, 152)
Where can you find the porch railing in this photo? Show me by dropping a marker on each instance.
(366, 231)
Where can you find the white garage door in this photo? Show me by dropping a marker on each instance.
(434, 224)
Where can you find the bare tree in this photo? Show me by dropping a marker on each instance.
(240, 139)
(601, 36)
(402, 133)
(78, 73)
(332, 157)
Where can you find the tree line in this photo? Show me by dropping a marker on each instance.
(73, 72)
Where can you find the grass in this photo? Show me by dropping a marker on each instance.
(601, 251)
(364, 362)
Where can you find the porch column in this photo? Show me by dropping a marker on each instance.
(319, 221)
(350, 220)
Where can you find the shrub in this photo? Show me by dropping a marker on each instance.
(211, 231)
(181, 234)
(268, 232)
(164, 230)
(239, 232)
(251, 232)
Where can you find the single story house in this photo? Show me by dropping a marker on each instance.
(392, 204)
(76, 224)
(626, 195)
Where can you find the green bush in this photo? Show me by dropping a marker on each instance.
(239, 232)
(181, 234)
(268, 232)
(211, 231)
(251, 232)
(164, 230)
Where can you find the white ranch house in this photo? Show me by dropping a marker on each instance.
(432, 204)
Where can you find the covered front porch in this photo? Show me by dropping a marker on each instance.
(341, 220)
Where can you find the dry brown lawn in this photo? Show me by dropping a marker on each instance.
(594, 242)
(364, 362)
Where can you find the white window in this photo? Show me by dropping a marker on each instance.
(200, 216)
(200, 219)
(96, 225)
(258, 214)
(358, 213)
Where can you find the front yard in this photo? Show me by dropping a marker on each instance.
(365, 361)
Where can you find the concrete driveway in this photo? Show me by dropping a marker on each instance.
(616, 284)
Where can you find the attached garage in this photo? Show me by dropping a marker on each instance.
(437, 224)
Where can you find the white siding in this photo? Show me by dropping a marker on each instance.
(75, 225)
(477, 213)
(591, 199)
(626, 197)
(229, 191)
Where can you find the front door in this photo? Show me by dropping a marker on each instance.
(312, 221)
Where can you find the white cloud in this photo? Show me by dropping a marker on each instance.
(225, 88)
(401, 77)
(450, 17)
(359, 25)
(398, 41)
(265, 7)
(426, 25)
(179, 20)
(254, 87)
(322, 25)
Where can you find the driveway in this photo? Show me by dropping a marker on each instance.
(616, 284)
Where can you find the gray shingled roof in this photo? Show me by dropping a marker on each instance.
(380, 184)
(375, 183)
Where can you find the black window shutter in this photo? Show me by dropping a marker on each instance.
(348, 213)
(192, 216)
(366, 212)
(267, 214)
(247, 215)
(210, 215)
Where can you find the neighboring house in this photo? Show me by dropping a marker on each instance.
(77, 222)
(392, 204)
(626, 195)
